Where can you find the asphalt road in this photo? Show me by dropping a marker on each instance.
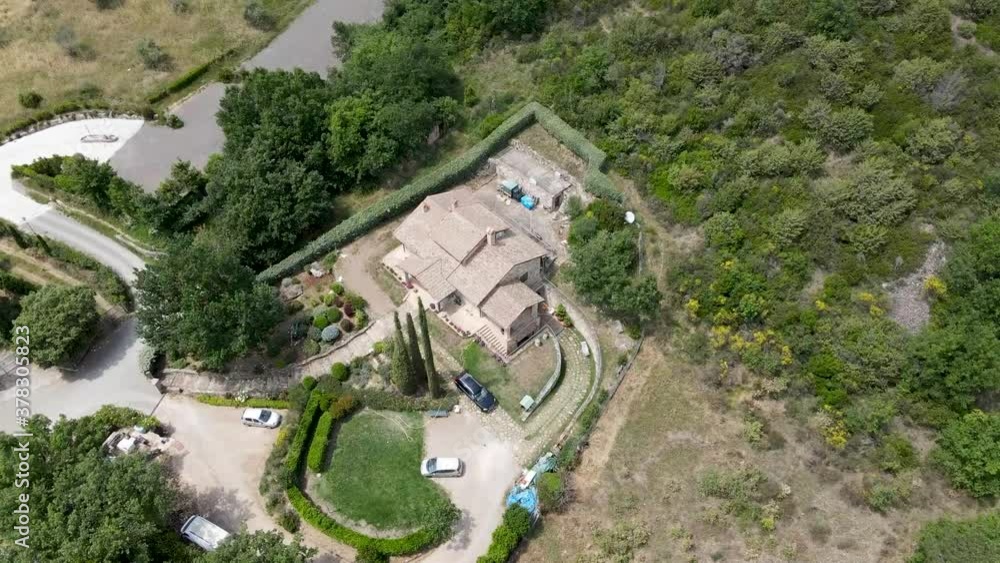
(146, 159)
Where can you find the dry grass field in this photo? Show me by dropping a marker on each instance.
(32, 59)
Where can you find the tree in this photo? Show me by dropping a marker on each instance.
(400, 367)
(60, 319)
(198, 300)
(84, 506)
(603, 272)
(969, 453)
(260, 547)
(413, 350)
(433, 382)
(836, 19)
(176, 207)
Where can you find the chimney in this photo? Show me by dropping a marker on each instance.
(491, 236)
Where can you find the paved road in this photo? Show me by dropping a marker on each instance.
(110, 373)
(147, 158)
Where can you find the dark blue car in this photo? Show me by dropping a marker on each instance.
(475, 391)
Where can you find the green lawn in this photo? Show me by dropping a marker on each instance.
(477, 361)
(374, 475)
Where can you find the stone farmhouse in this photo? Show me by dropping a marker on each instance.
(478, 272)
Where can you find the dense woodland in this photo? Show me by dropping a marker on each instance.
(817, 147)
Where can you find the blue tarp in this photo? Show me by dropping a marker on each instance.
(528, 498)
(528, 202)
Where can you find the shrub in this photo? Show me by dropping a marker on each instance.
(969, 453)
(349, 309)
(333, 316)
(29, 99)
(66, 38)
(963, 541)
(966, 30)
(106, 4)
(309, 382)
(320, 440)
(370, 554)
(361, 320)
(337, 288)
(173, 121)
(383, 400)
(343, 406)
(896, 454)
(447, 175)
(506, 537)
(321, 321)
(180, 6)
(289, 520)
(257, 16)
(340, 371)
(346, 325)
(551, 491)
(310, 348)
(152, 55)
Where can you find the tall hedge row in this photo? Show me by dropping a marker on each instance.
(447, 175)
(293, 463)
(317, 449)
(412, 543)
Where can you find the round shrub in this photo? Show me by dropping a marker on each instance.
(349, 309)
(333, 316)
(30, 99)
(340, 371)
(338, 301)
(310, 348)
(330, 333)
(347, 325)
(320, 322)
(314, 334)
(361, 321)
(337, 288)
(289, 520)
(257, 16)
(309, 382)
(328, 298)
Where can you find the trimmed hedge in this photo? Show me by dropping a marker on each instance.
(293, 463)
(447, 175)
(251, 403)
(384, 401)
(406, 545)
(188, 78)
(320, 439)
(516, 524)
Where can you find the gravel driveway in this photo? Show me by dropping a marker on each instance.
(490, 470)
(221, 459)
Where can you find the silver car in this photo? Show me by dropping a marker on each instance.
(263, 418)
(442, 467)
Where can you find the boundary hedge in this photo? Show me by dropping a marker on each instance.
(189, 77)
(314, 515)
(145, 111)
(251, 403)
(447, 175)
(506, 537)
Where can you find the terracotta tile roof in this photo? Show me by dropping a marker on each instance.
(449, 231)
(507, 303)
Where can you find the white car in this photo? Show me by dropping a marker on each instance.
(261, 417)
(442, 467)
(203, 533)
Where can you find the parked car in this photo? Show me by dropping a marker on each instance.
(442, 467)
(263, 418)
(203, 533)
(475, 391)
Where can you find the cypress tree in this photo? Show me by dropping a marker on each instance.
(401, 367)
(433, 383)
(413, 347)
